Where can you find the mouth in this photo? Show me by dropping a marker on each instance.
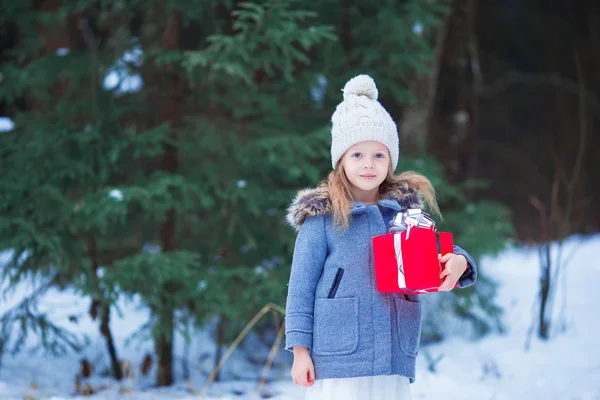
(368, 176)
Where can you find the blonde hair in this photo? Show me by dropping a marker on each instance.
(340, 194)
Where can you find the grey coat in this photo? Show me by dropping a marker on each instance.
(349, 327)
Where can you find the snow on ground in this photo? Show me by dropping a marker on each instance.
(496, 367)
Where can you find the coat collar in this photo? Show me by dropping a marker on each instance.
(316, 201)
(385, 203)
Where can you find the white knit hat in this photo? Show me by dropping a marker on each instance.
(360, 117)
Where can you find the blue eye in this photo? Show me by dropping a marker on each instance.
(356, 155)
(379, 155)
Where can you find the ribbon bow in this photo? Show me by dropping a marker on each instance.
(406, 219)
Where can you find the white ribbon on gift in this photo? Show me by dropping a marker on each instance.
(398, 248)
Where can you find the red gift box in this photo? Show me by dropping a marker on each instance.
(407, 262)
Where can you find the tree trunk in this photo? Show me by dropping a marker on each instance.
(452, 138)
(346, 33)
(467, 151)
(104, 315)
(414, 125)
(220, 339)
(110, 344)
(545, 284)
(164, 348)
(164, 343)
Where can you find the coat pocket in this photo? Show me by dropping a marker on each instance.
(336, 283)
(336, 326)
(408, 322)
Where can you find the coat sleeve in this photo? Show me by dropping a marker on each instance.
(470, 276)
(309, 257)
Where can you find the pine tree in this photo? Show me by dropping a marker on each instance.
(51, 161)
(251, 139)
(72, 208)
(174, 192)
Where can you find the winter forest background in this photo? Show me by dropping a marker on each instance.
(149, 149)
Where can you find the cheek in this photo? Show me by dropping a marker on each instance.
(346, 162)
(348, 172)
(383, 165)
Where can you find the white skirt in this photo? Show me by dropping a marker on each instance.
(388, 387)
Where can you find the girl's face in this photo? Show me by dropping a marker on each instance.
(366, 165)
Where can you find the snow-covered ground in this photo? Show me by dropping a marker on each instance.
(495, 367)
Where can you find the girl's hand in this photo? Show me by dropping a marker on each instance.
(455, 266)
(303, 370)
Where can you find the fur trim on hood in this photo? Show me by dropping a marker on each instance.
(316, 201)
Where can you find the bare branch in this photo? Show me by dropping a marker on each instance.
(520, 78)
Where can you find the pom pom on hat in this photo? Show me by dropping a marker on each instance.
(361, 85)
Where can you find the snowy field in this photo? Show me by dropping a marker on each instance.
(496, 367)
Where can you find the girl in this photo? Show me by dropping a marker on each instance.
(349, 340)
